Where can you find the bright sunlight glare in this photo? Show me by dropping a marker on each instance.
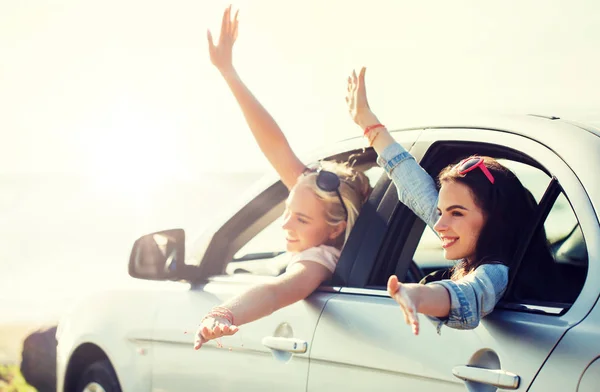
(130, 155)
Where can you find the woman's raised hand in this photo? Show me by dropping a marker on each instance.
(401, 295)
(221, 54)
(356, 98)
(213, 328)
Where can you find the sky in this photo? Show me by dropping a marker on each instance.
(122, 92)
(102, 88)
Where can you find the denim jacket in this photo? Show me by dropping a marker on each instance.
(476, 294)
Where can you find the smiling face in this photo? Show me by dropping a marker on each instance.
(460, 221)
(304, 221)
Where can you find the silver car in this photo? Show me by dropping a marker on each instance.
(349, 335)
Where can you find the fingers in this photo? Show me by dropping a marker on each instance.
(414, 321)
(361, 75)
(211, 42)
(200, 339)
(229, 26)
(234, 28)
(393, 285)
(416, 327)
(225, 22)
(395, 290)
(228, 23)
(405, 314)
(199, 342)
(203, 335)
(361, 78)
(206, 333)
(229, 330)
(355, 82)
(410, 312)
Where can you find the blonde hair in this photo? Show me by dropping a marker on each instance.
(354, 189)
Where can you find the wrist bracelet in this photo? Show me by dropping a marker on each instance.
(221, 312)
(371, 127)
(371, 136)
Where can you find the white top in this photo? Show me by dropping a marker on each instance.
(325, 255)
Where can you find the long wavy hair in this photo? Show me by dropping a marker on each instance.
(509, 210)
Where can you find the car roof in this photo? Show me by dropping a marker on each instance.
(576, 143)
(545, 129)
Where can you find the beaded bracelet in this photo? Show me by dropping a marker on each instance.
(221, 312)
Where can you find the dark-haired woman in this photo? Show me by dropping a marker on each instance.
(479, 213)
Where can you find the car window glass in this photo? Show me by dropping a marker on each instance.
(561, 217)
(559, 278)
(269, 243)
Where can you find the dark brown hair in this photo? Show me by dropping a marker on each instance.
(509, 210)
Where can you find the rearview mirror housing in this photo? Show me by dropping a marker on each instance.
(158, 256)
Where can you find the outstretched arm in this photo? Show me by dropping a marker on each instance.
(297, 283)
(416, 298)
(267, 133)
(459, 304)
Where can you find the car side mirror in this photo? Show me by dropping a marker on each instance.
(158, 256)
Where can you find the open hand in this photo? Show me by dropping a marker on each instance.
(356, 99)
(213, 328)
(221, 54)
(400, 294)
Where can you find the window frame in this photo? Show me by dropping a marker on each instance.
(524, 150)
(264, 207)
(366, 241)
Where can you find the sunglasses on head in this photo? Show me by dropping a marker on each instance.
(469, 164)
(329, 182)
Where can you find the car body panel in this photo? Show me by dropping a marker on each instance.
(212, 367)
(369, 346)
(580, 197)
(574, 363)
(567, 140)
(356, 336)
(120, 324)
(365, 339)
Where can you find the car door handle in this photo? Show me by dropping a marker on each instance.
(285, 344)
(495, 377)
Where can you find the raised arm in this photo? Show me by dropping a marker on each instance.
(361, 112)
(415, 187)
(267, 133)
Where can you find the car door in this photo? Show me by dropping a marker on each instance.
(574, 365)
(270, 353)
(243, 361)
(362, 342)
(239, 362)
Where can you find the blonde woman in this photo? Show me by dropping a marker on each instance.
(321, 209)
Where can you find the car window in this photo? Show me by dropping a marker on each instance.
(565, 240)
(264, 253)
(559, 278)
